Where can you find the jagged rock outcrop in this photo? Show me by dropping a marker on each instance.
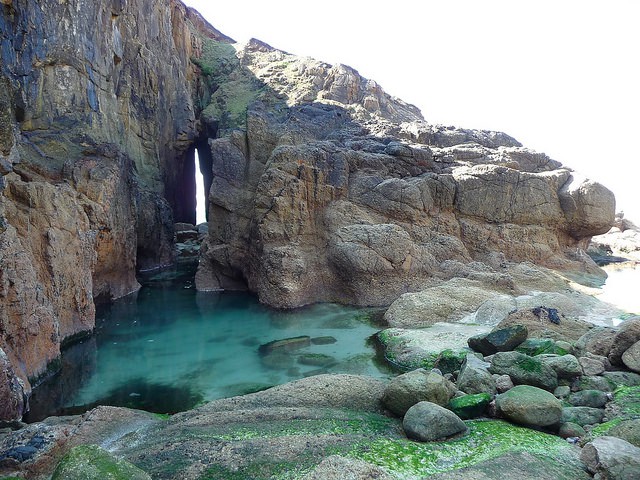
(98, 116)
(332, 190)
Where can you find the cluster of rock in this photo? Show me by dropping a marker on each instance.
(561, 386)
(187, 240)
(620, 244)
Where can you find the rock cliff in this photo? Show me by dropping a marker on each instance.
(328, 189)
(322, 186)
(98, 119)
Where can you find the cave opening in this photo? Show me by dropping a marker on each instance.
(194, 182)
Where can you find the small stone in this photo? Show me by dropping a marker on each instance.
(591, 366)
(571, 430)
(316, 359)
(324, 340)
(407, 389)
(588, 398)
(475, 377)
(426, 422)
(503, 383)
(565, 366)
(562, 392)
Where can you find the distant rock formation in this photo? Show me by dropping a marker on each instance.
(322, 186)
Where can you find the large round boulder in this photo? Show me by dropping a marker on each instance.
(628, 334)
(524, 370)
(529, 405)
(407, 389)
(426, 422)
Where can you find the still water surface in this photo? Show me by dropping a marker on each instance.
(168, 348)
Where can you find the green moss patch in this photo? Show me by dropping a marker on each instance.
(627, 402)
(485, 440)
(90, 462)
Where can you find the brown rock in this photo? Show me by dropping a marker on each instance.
(631, 357)
(565, 329)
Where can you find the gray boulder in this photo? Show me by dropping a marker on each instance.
(598, 341)
(628, 430)
(499, 340)
(524, 370)
(529, 405)
(426, 422)
(407, 389)
(592, 365)
(503, 382)
(582, 415)
(565, 366)
(569, 430)
(612, 458)
(628, 334)
(474, 376)
(631, 357)
(588, 398)
(617, 379)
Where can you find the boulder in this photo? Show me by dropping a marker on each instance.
(628, 334)
(631, 357)
(499, 340)
(90, 462)
(596, 383)
(503, 383)
(541, 324)
(628, 430)
(524, 369)
(407, 389)
(474, 377)
(598, 341)
(619, 378)
(565, 366)
(529, 405)
(582, 415)
(588, 398)
(470, 406)
(540, 346)
(612, 458)
(427, 422)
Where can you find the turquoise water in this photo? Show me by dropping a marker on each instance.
(168, 348)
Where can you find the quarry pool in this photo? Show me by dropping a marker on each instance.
(168, 348)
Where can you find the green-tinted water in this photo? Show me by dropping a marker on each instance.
(168, 347)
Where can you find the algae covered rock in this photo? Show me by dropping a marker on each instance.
(565, 366)
(426, 422)
(588, 398)
(336, 467)
(499, 340)
(524, 369)
(470, 406)
(582, 415)
(540, 346)
(90, 462)
(407, 389)
(628, 430)
(529, 405)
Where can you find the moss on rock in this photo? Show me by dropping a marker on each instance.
(90, 462)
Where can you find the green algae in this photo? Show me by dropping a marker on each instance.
(470, 406)
(539, 346)
(485, 440)
(627, 402)
(90, 462)
(604, 428)
(285, 470)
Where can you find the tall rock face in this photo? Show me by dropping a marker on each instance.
(328, 189)
(98, 117)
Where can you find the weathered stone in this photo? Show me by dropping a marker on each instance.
(503, 383)
(631, 357)
(11, 392)
(612, 458)
(540, 325)
(628, 334)
(540, 346)
(529, 405)
(475, 378)
(591, 366)
(616, 379)
(628, 430)
(588, 398)
(427, 422)
(499, 340)
(596, 383)
(565, 366)
(562, 392)
(524, 370)
(598, 341)
(407, 389)
(582, 415)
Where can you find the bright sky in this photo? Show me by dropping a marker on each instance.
(561, 76)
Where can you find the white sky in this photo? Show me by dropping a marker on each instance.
(561, 76)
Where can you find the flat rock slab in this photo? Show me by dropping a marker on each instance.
(413, 348)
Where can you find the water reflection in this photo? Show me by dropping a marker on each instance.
(169, 347)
